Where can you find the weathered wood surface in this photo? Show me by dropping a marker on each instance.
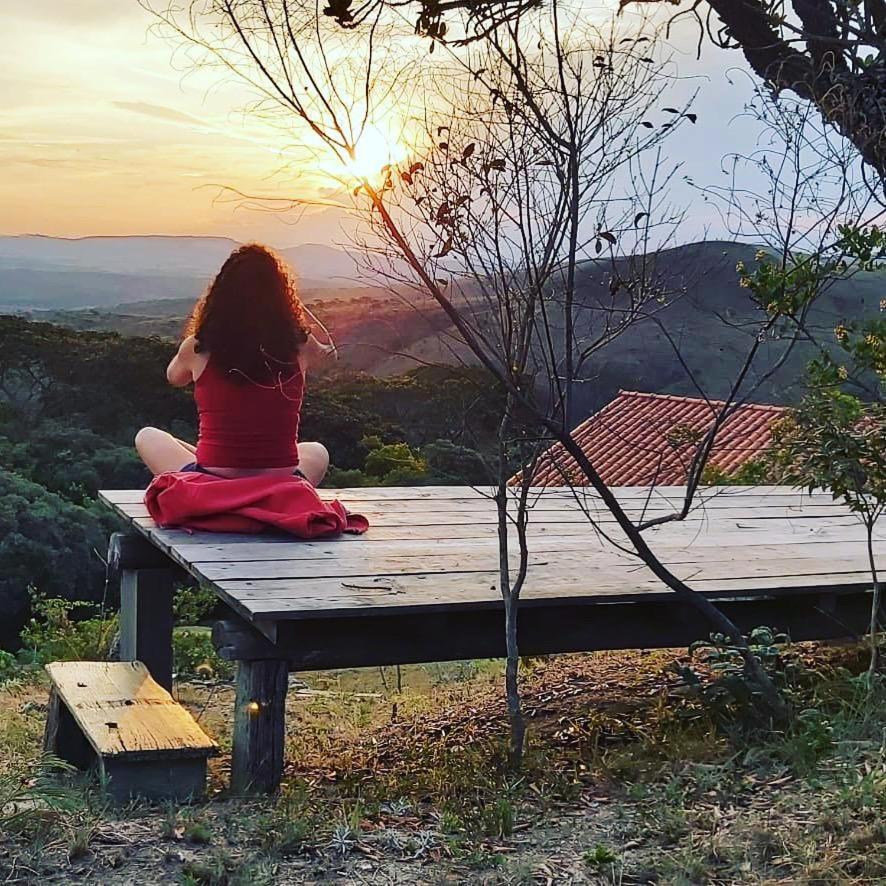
(435, 548)
(259, 721)
(124, 713)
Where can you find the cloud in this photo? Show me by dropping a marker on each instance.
(159, 112)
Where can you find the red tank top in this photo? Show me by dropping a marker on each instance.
(248, 424)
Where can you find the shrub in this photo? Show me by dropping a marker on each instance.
(53, 635)
(394, 459)
(193, 603)
(48, 543)
(727, 691)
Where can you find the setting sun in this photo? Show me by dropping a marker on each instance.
(374, 150)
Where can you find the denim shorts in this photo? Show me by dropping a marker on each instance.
(194, 468)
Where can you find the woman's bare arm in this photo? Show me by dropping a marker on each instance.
(180, 371)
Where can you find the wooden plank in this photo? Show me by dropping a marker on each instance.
(443, 493)
(307, 553)
(62, 737)
(261, 600)
(726, 532)
(170, 780)
(348, 641)
(745, 533)
(636, 498)
(579, 527)
(550, 505)
(594, 566)
(547, 505)
(661, 539)
(123, 712)
(463, 517)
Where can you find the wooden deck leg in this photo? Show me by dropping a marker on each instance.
(147, 578)
(257, 758)
(146, 621)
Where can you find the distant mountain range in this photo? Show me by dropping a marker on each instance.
(706, 316)
(56, 272)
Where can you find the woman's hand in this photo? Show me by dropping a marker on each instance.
(313, 351)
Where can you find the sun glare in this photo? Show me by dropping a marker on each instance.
(374, 150)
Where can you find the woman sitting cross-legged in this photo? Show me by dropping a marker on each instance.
(247, 349)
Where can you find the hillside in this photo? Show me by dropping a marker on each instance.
(54, 272)
(711, 320)
(706, 316)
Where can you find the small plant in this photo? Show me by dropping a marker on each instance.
(222, 868)
(400, 806)
(32, 800)
(346, 833)
(731, 694)
(197, 830)
(599, 856)
(481, 859)
(423, 843)
(9, 669)
(343, 839)
(687, 865)
(289, 829)
(809, 738)
(79, 839)
(498, 818)
(451, 823)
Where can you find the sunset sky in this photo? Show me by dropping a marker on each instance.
(100, 134)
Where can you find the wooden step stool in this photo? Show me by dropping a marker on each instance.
(114, 716)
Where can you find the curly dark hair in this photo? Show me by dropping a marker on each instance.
(251, 319)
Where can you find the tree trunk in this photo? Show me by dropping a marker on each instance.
(875, 604)
(515, 709)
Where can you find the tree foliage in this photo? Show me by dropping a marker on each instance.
(46, 543)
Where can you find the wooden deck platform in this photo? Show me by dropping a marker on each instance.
(422, 584)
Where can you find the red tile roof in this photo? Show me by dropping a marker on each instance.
(644, 439)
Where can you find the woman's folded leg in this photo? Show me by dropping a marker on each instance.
(313, 461)
(162, 452)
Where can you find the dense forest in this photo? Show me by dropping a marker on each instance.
(72, 401)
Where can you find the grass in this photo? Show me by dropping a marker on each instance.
(623, 780)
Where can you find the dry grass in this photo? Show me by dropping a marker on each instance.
(624, 783)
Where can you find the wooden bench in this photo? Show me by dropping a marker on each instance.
(114, 716)
(422, 585)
